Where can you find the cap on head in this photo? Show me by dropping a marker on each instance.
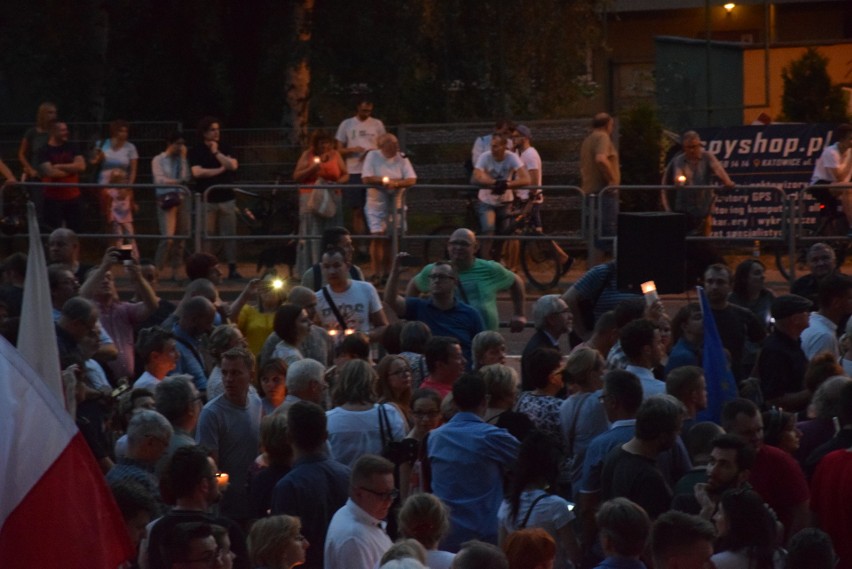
(788, 305)
(524, 131)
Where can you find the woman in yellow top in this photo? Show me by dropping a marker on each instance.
(255, 320)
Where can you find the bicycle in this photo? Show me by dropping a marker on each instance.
(539, 259)
(831, 228)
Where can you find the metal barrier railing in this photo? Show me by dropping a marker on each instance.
(787, 225)
(90, 187)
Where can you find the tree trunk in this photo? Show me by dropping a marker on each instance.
(298, 73)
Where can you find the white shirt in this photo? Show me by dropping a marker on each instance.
(355, 132)
(831, 158)
(355, 539)
(352, 434)
(499, 170)
(820, 336)
(355, 306)
(146, 381)
(532, 161)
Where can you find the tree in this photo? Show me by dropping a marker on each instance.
(298, 73)
(809, 95)
(640, 135)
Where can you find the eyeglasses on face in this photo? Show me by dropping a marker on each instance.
(387, 496)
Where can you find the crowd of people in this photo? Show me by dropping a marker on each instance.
(298, 424)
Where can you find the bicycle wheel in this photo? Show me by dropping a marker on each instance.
(540, 264)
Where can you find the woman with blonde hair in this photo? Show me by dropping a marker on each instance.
(394, 386)
(356, 422)
(426, 518)
(502, 384)
(277, 542)
(35, 138)
(582, 416)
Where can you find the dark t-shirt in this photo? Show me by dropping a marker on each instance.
(313, 490)
(736, 325)
(63, 154)
(200, 155)
(781, 366)
(636, 478)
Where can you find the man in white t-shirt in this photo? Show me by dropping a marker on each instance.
(391, 171)
(834, 166)
(357, 136)
(357, 303)
(531, 200)
(483, 143)
(498, 172)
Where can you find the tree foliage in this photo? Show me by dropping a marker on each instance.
(640, 131)
(809, 95)
(421, 60)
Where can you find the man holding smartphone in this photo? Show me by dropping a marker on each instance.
(442, 312)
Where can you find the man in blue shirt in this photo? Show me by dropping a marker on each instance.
(196, 318)
(317, 486)
(468, 458)
(442, 312)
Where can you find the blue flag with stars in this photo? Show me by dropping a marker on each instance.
(721, 385)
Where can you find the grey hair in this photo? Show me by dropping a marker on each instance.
(826, 401)
(173, 396)
(484, 341)
(147, 423)
(544, 307)
(301, 373)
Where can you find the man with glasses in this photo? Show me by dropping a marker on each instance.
(552, 319)
(192, 545)
(694, 167)
(478, 283)
(775, 475)
(442, 311)
(356, 537)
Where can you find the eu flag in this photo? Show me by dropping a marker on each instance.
(721, 385)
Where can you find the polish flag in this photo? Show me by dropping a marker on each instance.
(55, 507)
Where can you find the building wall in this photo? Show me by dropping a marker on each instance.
(754, 75)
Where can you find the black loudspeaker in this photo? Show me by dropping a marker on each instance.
(651, 247)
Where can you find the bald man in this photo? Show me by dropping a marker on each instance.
(479, 281)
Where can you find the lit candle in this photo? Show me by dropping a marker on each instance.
(681, 179)
(386, 180)
(316, 159)
(349, 331)
(222, 480)
(277, 284)
(649, 289)
(332, 332)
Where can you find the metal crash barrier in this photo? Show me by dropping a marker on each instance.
(782, 221)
